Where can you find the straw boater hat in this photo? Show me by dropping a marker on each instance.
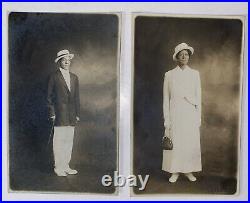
(181, 47)
(62, 54)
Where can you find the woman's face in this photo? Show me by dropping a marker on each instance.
(183, 57)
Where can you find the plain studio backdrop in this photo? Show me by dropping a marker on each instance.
(34, 40)
(217, 56)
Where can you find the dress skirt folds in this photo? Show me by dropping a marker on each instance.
(182, 114)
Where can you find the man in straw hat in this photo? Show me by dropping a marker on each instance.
(64, 110)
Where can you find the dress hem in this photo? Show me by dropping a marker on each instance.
(180, 171)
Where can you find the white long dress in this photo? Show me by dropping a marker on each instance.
(182, 114)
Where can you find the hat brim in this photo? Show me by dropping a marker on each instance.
(186, 48)
(64, 56)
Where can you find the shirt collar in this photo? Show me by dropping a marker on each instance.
(63, 70)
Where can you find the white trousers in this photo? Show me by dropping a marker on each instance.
(62, 146)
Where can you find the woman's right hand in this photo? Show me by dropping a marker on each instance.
(167, 125)
(166, 134)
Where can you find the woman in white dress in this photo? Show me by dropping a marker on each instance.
(182, 116)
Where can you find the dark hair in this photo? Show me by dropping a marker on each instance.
(59, 61)
(189, 53)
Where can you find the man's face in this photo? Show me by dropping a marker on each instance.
(183, 57)
(65, 63)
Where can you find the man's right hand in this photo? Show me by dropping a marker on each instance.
(53, 118)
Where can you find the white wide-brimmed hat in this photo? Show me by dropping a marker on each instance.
(181, 47)
(63, 53)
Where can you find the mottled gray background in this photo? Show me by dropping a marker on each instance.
(34, 40)
(217, 49)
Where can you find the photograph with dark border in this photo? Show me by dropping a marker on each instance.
(45, 103)
(214, 47)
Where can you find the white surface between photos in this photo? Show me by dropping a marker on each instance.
(125, 88)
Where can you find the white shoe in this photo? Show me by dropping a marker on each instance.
(173, 177)
(71, 171)
(190, 177)
(60, 173)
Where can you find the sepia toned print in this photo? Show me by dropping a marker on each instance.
(63, 79)
(205, 131)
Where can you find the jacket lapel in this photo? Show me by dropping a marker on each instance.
(71, 82)
(63, 81)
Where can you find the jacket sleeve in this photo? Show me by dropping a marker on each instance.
(50, 97)
(77, 98)
(166, 102)
(198, 96)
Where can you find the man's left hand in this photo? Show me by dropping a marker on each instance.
(77, 119)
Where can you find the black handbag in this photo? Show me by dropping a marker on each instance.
(167, 143)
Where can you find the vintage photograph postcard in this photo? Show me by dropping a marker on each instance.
(63, 101)
(187, 103)
(124, 101)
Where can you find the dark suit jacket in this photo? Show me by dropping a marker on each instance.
(61, 102)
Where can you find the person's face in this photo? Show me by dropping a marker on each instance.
(65, 63)
(183, 57)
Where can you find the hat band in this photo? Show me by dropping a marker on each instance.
(62, 55)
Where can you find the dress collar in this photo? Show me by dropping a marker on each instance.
(187, 68)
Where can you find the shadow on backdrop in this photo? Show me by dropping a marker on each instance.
(217, 56)
(34, 40)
